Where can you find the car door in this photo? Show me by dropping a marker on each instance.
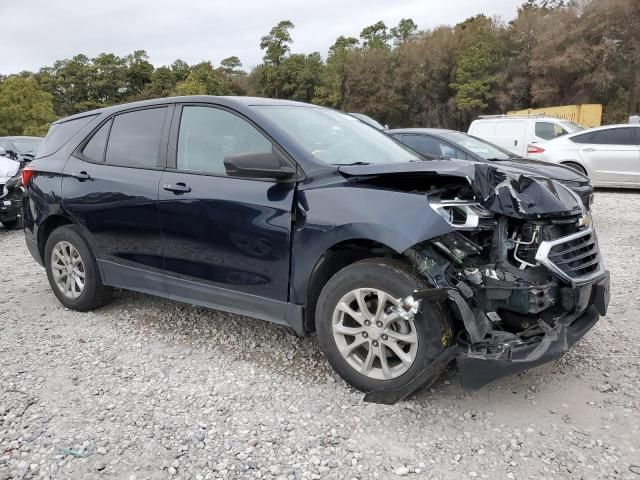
(612, 155)
(226, 240)
(110, 187)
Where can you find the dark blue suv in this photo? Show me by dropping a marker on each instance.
(307, 217)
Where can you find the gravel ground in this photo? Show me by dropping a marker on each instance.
(147, 388)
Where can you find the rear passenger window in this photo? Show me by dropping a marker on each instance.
(134, 140)
(424, 144)
(548, 130)
(94, 150)
(583, 138)
(614, 136)
(208, 135)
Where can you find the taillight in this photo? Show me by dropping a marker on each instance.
(534, 149)
(27, 173)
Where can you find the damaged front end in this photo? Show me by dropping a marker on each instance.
(521, 273)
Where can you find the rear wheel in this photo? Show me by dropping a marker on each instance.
(72, 271)
(577, 168)
(367, 344)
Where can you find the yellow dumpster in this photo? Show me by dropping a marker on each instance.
(588, 115)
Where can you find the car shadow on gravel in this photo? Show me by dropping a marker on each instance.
(278, 350)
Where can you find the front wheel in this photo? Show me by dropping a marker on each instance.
(367, 344)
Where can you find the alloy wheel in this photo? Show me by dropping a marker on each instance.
(68, 270)
(374, 340)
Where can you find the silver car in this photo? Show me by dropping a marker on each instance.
(609, 155)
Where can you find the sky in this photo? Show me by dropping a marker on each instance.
(36, 33)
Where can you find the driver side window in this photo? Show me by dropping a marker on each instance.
(208, 135)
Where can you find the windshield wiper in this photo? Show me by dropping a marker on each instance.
(352, 164)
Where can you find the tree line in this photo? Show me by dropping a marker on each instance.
(554, 52)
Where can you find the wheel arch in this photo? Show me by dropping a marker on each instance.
(47, 227)
(579, 163)
(334, 259)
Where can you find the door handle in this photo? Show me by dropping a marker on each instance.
(588, 149)
(177, 188)
(82, 176)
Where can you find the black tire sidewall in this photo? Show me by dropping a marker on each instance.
(92, 295)
(394, 278)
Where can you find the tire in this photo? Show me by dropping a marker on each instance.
(13, 224)
(93, 294)
(430, 327)
(578, 168)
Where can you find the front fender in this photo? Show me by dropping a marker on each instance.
(328, 216)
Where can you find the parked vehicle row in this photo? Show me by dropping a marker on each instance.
(302, 215)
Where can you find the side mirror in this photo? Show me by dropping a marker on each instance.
(3, 151)
(259, 165)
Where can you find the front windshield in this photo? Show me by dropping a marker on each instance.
(368, 121)
(27, 146)
(571, 126)
(484, 149)
(337, 138)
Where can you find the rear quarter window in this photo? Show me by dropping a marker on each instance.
(60, 133)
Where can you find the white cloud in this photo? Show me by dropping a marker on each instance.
(38, 32)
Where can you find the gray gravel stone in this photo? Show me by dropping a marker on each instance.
(145, 388)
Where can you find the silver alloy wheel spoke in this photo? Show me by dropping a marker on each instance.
(374, 341)
(67, 269)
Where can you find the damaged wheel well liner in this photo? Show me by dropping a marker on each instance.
(332, 261)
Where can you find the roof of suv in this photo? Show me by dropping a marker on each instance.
(222, 100)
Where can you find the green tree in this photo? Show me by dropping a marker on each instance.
(203, 80)
(475, 64)
(231, 66)
(375, 36)
(331, 88)
(139, 72)
(300, 74)
(277, 43)
(25, 109)
(406, 30)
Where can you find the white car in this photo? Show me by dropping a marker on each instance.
(515, 132)
(609, 155)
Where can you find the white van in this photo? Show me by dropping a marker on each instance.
(515, 132)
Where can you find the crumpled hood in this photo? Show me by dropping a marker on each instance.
(8, 169)
(505, 190)
(544, 169)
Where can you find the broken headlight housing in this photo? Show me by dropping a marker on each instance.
(461, 214)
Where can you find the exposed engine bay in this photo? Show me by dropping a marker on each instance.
(520, 270)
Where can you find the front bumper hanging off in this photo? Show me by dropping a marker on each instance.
(477, 370)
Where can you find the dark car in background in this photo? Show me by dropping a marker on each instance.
(444, 143)
(307, 217)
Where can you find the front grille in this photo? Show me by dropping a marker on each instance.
(575, 258)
